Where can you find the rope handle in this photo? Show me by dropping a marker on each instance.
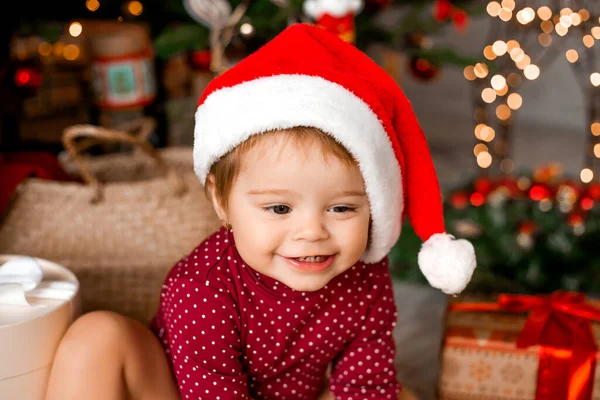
(78, 138)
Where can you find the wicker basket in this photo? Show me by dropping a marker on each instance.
(119, 237)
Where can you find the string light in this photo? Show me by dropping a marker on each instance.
(488, 52)
(499, 47)
(524, 63)
(92, 5)
(71, 52)
(479, 148)
(545, 39)
(508, 4)
(487, 134)
(135, 8)
(572, 55)
(488, 95)
(478, 129)
(498, 82)
(514, 101)
(469, 73)
(586, 175)
(501, 85)
(505, 14)
(493, 8)
(481, 70)
(503, 112)
(484, 159)
(547, 26)
(75, 29)
(531, 72)
(502, 91)
(45, 49)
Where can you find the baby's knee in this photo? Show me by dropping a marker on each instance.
(94, 331)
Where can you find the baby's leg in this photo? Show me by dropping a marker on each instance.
(110, 357)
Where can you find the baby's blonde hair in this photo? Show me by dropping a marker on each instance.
(226, 170)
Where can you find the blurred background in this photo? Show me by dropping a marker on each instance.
(506, 92)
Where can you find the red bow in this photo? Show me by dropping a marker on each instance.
(560, 324)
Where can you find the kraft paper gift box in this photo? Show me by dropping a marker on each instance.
(521, 348)
(32, 323)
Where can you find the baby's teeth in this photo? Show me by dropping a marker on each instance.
(311, 259)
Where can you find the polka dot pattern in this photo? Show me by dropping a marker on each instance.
(231, 332)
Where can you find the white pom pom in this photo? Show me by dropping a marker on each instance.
(447, 263)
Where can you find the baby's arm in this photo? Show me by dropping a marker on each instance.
(365, 368)
(199, 324)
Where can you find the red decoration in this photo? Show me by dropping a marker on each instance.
(560, 325)
(539, 192)
(200, 60)
(483, 185)
(575, 219)
(587, 203)
(477, 199)
(444, 10)
(510, 184)
(593, 190)
(341, 26)
(335, 16)
(527, 227)
(28, 77)
(459, 200)
(423, 70)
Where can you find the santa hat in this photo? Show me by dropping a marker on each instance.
(306, 76)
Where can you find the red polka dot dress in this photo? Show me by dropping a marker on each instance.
(231, 332)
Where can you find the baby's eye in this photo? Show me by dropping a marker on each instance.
(342, 209)
(279, 209)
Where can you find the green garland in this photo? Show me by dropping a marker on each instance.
(531, 235)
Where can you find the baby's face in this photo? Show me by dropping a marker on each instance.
(297, 217)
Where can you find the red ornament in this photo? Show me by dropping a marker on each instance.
(539, 192)
(477, 199)
(443, 10)
(575, 219)
(423, 70)
(461, 20)
(28, 77)
(593, 190)
(510, 184)
(527, 227)
(587, 203)
(483, 185)
(200, 60)
(459, 200)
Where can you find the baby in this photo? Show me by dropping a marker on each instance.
(312, 157)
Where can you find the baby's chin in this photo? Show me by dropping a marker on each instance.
(311, 284)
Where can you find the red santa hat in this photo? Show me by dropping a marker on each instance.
(308, 77)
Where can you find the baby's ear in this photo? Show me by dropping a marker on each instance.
(216, 201)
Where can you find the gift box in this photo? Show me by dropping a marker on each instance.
(36, 308)
(521, 348)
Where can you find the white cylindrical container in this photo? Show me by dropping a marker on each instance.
(30, 335)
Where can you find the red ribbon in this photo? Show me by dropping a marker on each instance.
(560, 324)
